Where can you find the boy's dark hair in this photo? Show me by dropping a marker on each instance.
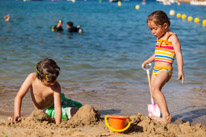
(48, 70)
(70, 23)
(159, 18)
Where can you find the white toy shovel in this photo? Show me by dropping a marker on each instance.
(153, 109)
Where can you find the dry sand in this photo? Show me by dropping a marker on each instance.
(87, 122)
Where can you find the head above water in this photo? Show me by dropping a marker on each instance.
(7, 17)
(159, 18)
(47, 70)
(60, 21)
(70, 24)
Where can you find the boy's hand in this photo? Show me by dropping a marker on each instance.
(14, 118)
(181, 76)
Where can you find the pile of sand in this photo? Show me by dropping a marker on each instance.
(147, 126)
(87, 122)
(86, 115)
(38, 116)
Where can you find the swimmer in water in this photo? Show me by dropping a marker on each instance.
(7, 18)
(71, 28)
(58, 27)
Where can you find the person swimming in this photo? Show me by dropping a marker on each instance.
(7, 18)
(58, 27)
(71, 28)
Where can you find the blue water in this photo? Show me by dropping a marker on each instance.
(106, 59)
(116, 40)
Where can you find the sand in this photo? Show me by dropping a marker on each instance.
(88, 122)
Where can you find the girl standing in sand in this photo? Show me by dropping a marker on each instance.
(45, 93)
(167, 46)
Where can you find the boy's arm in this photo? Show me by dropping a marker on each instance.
(57, 105)
(151, 59)
(18, 99)
(178, 53)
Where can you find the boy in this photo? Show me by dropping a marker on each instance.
(45, 92)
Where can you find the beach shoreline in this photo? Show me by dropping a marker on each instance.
(141, 125)
(123, 100)
(101, 67)
(107, 101)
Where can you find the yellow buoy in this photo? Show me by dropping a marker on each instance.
(137, 7)
(204, 23)
(197, 20)
(172, 13)
(119, 3)
(178, 3)
(190, 18)
(184, 16)
(178, 15)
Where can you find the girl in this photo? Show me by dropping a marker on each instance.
(167, 46)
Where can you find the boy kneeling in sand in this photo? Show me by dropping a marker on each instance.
(45, 93)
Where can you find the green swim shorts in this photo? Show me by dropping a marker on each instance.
(67, 104)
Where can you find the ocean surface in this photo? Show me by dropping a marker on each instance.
(102, 66)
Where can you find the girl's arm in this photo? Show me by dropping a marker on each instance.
(151, 59)
(57, 105)
(18, 99)
(178, 53)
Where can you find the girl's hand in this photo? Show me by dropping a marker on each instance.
(143, 65)
(146, 66)
(14, 118)
(181, 76)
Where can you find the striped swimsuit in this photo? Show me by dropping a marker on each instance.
(164, 52)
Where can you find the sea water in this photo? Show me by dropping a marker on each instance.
(108, 55)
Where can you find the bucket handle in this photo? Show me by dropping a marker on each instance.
(117, 130)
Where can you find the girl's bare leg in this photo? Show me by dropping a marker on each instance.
(157, 83)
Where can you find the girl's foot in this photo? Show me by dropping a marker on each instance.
(155, 117)
(163, 120)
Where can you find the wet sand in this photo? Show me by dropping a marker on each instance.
(185, 103)
(187, 107)
(87, 122)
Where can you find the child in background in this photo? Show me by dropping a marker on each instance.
(167, 46)
(45, 93)
(7, 18)
(58, 27)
